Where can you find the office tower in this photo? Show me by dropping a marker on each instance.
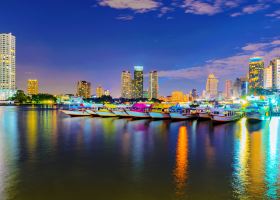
(228, 89)
(268, 77)
(99, 91)
(32, 87)
(126, 85)
(275, 63)
(84, 89)
(237, 92)
(146, 94)
(7, 66)
(153, 85)
(138, 82)
(212, 86)
(107, 92)
(256, 73)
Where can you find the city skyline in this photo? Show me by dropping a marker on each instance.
(165, 43)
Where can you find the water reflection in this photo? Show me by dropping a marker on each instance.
(180, 171)
(256, 161)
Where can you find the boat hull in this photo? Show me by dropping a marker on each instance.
(121, 113)
(105, 114)
(138, 114)
(91, 112)
(157, 115)
(225, 119)
(76, 113)
(204, 116)
(179, 116)
(256, 117)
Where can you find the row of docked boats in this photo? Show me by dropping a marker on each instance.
(218, 113)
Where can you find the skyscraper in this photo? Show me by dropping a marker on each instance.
(212, 86)
(268, 77)
(7, 66)
(237, 92)
(275, 64)
(256, 73)
(138, 82)
(153, 85)
(126, 85)
(99, 91)
(228, 89)
(32, 87)
(84, 89)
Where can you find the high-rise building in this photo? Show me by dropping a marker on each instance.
(153, 85)
(126, 85)
(7, 65)
(99, 91)
(107, 92)
(84, 89)
(268, 77)
(228, 89)
(32, 87)
(146, 94)
(256, 73)
(212, 86)
(194, 94)
(138, 82)
(275, 63)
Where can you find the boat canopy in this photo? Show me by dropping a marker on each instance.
(141, 105)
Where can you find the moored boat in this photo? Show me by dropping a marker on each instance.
(76, 113)
(203, 112)
(106, 111)
(179, 112)
(120, 111)
(139, 110)
(160, 111)
(258, 111)
(225, 113)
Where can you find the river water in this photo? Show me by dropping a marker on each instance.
(46, 155)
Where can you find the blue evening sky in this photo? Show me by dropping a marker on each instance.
(62, 41)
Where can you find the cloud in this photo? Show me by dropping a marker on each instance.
(228, 67)
(140, 6)
(164, 10)
(125, 17)
(250, 9)
(211, 7)
(275, 14)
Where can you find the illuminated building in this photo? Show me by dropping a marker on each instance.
(178, 96)
(228, 89)
(83, 89)
(212, 86)
(99, 91)
(107, 92)
(7, 65)
(256, 73)
(126, 85)
(138, 82)
(146, 94)
(275, 73)
(32, 87)
(268, 77)
(153, 85)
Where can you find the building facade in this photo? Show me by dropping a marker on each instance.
(32, 87)
(126, 85)
(256, 73)
(153, 85)
(237, 88)
(99, 91)
(107, 92)
(268, 77)
(228, 89)
(7, 66)
(275, 64)
(138, 82)
(212, 86)
(84, 89)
